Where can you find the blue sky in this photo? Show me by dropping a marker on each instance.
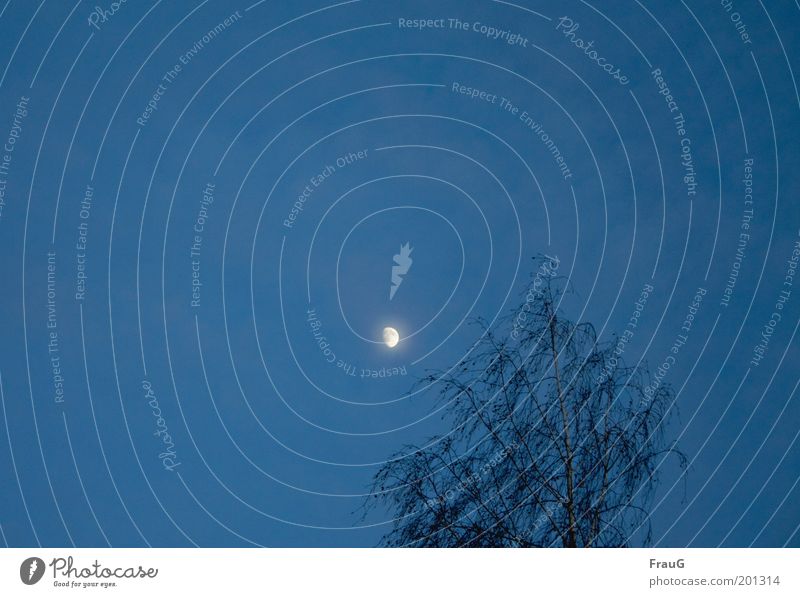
(262, 441)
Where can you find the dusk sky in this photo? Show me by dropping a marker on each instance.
(203, 203)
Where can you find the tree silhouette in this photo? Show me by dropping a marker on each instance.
(554, 441)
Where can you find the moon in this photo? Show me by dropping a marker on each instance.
(390, 337)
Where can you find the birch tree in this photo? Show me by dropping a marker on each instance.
(551, 440)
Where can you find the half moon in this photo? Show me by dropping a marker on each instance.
(390, 337)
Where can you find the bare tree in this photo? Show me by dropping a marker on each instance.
(553, 441)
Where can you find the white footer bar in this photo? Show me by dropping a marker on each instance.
(400, 572)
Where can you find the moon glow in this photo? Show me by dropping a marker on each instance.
(390, 337)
